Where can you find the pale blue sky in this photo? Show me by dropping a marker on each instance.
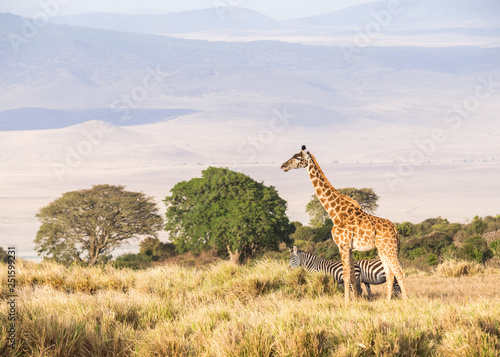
(277, 9)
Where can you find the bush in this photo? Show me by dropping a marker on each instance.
(495, 248)
(433, 243)
(327, 250)
(157, 250)
(3, 255)
(132, 261)
(370, 254)
(432, 259)
(478, 226)
(475, 249)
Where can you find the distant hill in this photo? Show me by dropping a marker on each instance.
(233, 18)
(41, 118)
(67, 67)
(416, 14)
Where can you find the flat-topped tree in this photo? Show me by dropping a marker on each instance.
(87, 225)
(353, 229)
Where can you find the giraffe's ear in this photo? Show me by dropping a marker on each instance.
(295, 249)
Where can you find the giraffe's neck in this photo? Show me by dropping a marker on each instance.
(329, 197)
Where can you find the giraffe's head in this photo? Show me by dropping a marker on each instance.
(298, 161)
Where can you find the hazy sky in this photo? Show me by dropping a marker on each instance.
(277, 9)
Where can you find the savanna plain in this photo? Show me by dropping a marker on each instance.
(260, 309)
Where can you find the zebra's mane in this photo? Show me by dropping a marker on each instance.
(309, 254)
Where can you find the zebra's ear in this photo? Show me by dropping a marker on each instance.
(295, 249)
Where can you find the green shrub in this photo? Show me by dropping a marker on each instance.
(156, 249)
(478, 226)
(495, 248)
(432, 259)
(132, 261)
(328, 250)
(324, 233)
(475, 249)
(304, 233)
(3, 255)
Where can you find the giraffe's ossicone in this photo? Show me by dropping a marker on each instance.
(353, 229)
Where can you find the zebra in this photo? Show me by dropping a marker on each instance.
(311, 262)
(372, 272)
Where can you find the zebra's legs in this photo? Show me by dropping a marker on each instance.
(368, 290)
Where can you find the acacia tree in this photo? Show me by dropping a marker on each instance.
(226, 210)
(366, 198)
(87, 225)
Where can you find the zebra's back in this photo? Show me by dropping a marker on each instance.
(312, 263)
(372, 272)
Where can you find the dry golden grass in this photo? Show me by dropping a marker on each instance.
(257, 310)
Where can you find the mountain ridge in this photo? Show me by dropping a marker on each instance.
(180, 22)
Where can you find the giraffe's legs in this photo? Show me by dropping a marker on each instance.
(348, 272)
(389, 276)
(392, 268)
(344, 255)
(355, 283)
(400, 275)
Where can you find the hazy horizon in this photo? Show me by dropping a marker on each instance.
(278, 10)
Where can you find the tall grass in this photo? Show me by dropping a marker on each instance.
(257, 310)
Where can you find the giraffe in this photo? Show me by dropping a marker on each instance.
(353, 229)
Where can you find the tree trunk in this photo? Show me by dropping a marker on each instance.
(93, 260)
(234, 257)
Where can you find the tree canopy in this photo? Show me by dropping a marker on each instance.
(87, 225)
(226, 210)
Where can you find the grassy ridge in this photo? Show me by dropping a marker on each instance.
(256, 310)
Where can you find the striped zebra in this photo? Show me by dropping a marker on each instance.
(311, 262)
(372, 272)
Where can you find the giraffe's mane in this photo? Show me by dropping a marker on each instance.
(346, 198)
(322, 173)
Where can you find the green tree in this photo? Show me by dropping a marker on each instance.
(229, 211)
(316, 212)
(366, 198)
(478, 226)
(87, 225)
(429, 225)
(406, 229)
(324, 232)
